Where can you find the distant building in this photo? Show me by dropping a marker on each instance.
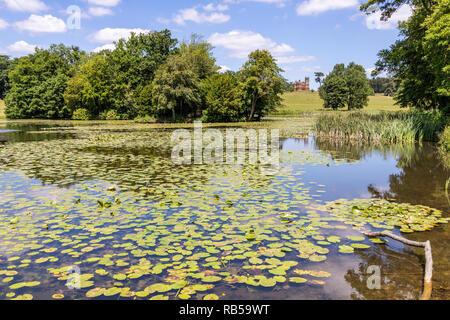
(302, 86)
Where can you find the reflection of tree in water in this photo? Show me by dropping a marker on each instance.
(357, 150)
(129, 159)
(401, 274)
(421, 181)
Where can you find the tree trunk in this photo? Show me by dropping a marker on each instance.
(252, 112)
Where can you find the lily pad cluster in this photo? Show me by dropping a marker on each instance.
(384, 214)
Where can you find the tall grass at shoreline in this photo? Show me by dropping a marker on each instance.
(2, 109)
(383, 127)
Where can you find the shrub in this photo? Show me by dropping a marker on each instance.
(81, 114)
(445, 140)
(112, 115)
(145, 119)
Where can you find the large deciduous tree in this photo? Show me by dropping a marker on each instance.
(263, 84)
(175, 89)
(6, 65)
(224, 99)
(39, 81)
(346, 86)
(420, 59)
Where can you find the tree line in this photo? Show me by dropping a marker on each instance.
(149, 76)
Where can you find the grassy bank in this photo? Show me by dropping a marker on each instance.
(381, 127)
(296, 103)
(445, 146)
(2, 109)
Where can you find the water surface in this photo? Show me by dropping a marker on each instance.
(106, 198)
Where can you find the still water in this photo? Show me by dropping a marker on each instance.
(105, 200)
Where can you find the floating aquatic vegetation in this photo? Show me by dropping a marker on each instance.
(113, 205)
(383, 214)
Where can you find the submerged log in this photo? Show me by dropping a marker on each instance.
(428, 281)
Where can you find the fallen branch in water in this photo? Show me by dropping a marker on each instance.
(428, 284)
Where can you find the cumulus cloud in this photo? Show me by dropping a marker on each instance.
(25, 5)
(224, 69)
(313, 7)
(110, 35)
(21, 47)
(209, 13)
(42, 24)
(100, 11)
(403, 13)
(109, 46)
(241, 42)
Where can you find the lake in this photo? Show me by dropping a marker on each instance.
(99, 211)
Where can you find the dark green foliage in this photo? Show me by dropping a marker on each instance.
(176, 89)
(346, 87)
(319, 76)
(420, 60)
(6, 65)
(147, 77)
(39, 81)
(386, 86)
(263, 84)
(223, 99)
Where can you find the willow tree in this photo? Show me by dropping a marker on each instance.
(175, 88)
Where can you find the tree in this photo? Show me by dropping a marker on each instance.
(319, 77)
(199, 54)
(420, 60)
(136, 60)
(383, 85)
(6, 65)
(133, 64)
(175, 89)
(346, 86)
(92, 87)
(263, 83)
(334, 92)
(223, 99)
(38, 82)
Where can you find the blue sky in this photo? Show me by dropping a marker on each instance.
(304, 35)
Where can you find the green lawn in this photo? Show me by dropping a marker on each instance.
(2, 109)
(297, 103)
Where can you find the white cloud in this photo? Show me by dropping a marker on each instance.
(3, 24)
(279, 3)
(240, 43)
(207, 14)
(109, 35)
(109, 46)
(42, 24)
(312, 7)
(224, 69)
(373, 21)
(104, 3)
(212, 7)
(21, 47)
(25, 5)
(100, 11)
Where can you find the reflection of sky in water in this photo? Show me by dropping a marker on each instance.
(347, 180)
